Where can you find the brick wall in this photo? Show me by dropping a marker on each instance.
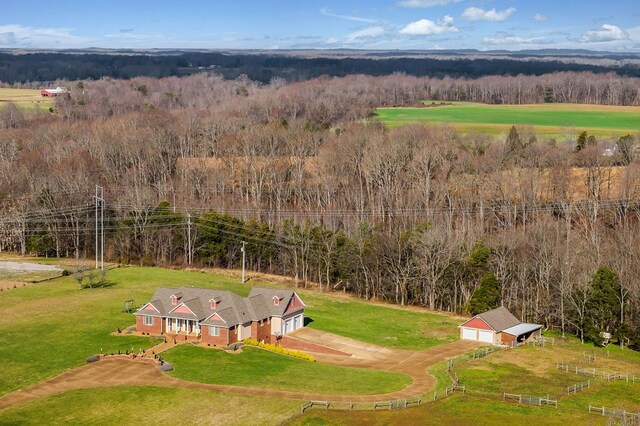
(156, 328)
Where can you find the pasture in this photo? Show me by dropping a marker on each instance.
(550, 120)
(25, 99)
(526, 370)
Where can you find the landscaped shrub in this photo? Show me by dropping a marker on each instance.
(279, 349)
(93, 358)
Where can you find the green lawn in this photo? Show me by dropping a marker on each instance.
(384, 326)
(548, 119)
(258, 368)
(149, 405)
(52, 326)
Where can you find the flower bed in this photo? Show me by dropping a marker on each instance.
(279, 349)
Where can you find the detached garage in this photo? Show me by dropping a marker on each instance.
(498, 326)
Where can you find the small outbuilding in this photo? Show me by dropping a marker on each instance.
(49, 93)
(498, 327)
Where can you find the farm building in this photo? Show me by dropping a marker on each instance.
(53, 92)
(219, 317)
(498, 327)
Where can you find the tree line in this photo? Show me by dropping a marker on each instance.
(323, 192)
(299, 66)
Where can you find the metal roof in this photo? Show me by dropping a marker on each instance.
(520, 329)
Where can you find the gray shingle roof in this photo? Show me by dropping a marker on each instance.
(232, 308)
(499, 319)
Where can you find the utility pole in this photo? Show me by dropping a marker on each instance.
(244, 255)
(102, 228)
(189, 255)
(100, 200)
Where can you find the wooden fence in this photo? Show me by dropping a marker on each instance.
(388, 405)
(618, 414)
(578, 387)
(530, 400)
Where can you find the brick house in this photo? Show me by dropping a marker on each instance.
(219, 317)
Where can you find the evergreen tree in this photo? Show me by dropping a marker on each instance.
(603, 308)
(486, 296)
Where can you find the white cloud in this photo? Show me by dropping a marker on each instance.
(425, 3)
(477, 14)
(325, 12)
(428, 27)
(16, 35)
(606, 33)
(370, 32)
(539, 17)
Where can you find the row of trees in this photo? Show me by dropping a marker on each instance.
(322, 192)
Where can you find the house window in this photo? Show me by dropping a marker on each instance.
(148, 320)
(276, 301)
(174, 300)
(261, 321)
(213, 303)
(214, 331)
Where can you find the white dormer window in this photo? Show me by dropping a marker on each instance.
(213, 304)
(174, 300)
(276, 301)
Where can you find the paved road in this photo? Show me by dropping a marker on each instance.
(127, 372)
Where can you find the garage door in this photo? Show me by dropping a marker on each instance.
(469, 333)
(485, 336)
(297, 322)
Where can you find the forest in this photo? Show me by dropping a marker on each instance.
(321, 191)
(35, 67)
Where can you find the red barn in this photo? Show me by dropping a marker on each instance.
(53, 92)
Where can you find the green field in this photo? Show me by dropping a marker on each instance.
(150, 405)
(52, 326)
(26, 99)
(547, 119)
(380, 325)
(258, 368)
(526, 370)
(64, 325)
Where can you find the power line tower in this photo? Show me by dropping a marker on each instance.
(100, 200)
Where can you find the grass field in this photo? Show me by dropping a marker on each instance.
(258, 368)
(526, 370)
(27, 99)
(380, 325)
(149, 405)
(547, 119)
(52, 326)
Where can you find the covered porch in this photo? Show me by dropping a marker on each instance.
(182, 327)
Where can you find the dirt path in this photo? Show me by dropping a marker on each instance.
(127, 372)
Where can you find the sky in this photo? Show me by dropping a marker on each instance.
(612, 25)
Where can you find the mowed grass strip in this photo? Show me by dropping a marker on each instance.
(149, 405)
(262, 369)
(621, 119)
(381, 325)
